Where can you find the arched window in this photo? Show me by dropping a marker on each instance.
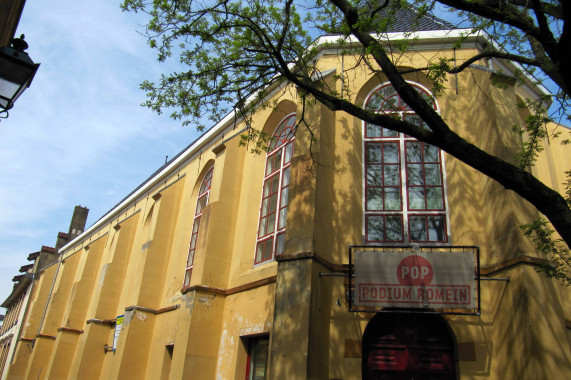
(404, 197)
(273, 208)
(201, 203)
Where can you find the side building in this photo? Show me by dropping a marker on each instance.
(15, 306)
(17, 302)
(232, 265)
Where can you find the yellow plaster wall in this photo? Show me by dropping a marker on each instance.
(142, 239)
(104, 299)
(510, 321)
(291, 325)
(153, 272)
(248, 195)
(164, 333)
(221, 221)
(481, 211)
(554, 161)
(148, 267)
(130, 357)
(204, 332)
(43, 346)
(194, 173)
(90, 353)
(74, 317)
(38, 298)
(246, 314)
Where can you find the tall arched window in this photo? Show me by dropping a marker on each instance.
(273, 209)
(201, 202)
(404, 197)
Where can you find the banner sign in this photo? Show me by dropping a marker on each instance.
(415, 279)
(118, 328)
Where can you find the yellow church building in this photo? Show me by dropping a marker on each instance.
(357, 253)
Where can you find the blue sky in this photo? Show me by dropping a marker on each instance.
(78, 135)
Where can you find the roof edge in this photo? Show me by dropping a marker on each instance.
(20, 288)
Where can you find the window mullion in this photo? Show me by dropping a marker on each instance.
(278, 203)
(404, 184)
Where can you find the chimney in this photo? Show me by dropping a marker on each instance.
(78, 220)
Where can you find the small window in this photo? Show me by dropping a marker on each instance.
(256, 368)
(201, 203)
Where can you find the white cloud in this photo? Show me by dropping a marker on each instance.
(78, 135)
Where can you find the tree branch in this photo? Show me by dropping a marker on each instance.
(477, 57)
(547, 201)
(509, 15)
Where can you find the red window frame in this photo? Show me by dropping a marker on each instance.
(426, 229)
(275, 192)
(253, 363)
(384, 218)
(382, 164)
(420, 178)
(201, 202)
(424, 186)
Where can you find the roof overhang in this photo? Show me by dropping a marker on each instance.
(421, 37)
(18, 290)
(10, 13)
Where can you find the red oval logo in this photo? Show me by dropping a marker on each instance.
(414, 271)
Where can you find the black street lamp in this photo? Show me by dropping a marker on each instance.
(16, 72)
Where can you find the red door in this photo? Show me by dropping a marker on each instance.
(406, 347)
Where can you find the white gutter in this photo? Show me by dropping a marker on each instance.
(421, 35)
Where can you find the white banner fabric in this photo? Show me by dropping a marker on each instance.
(415, 280)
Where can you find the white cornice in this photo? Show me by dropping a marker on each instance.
(422, 37)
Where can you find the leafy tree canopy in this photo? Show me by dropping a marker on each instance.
(232, 51)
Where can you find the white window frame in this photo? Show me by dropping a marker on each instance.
(284, 146)
(404, 212)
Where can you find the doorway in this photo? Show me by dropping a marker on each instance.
(406, 346)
